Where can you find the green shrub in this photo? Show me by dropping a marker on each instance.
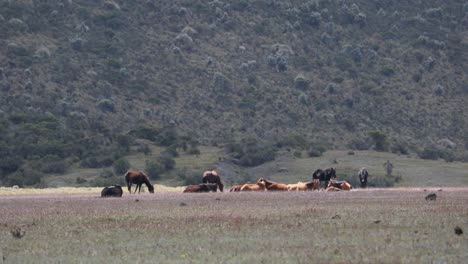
(251, 152)
(154, 169)
(121, 166)
(380, 140)
(301, 82)
(430, 153)
(316, 151)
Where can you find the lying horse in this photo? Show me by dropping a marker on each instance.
(304, 186)
(236, 188)
(273, 186)
(138, 178)
(342, 185)
(203, 187)
(253, 187)
(112, 191)
(324, 175)
(213, 177)
(363, 174)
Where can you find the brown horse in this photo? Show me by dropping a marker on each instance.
(342, 185)
(305, 186)
(213, 177)
(273, 186)
(253, 187)
(138, 178)
(204, 187)
(236, 188)
(112, 191)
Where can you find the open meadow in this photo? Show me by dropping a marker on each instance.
(394, 225)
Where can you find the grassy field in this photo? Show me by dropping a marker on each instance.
(286, 168)
(362, 226)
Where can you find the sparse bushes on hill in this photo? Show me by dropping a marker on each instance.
(380, 140)
(251, 152)
(301, 82)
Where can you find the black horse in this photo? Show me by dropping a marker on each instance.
(213, 177)
(324, 175)
(363, 174)
(112, 191)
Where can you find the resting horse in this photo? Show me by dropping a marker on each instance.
(213, 177)
(253, 187)
(273, 186)
(304, 186)
(363, 174)
(342, 185)
(203, 187)
(112, 191)
(138, 178)
(236, 188)
(324, 175)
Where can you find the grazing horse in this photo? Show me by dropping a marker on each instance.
(363, 174)
(138, 178)
(213, 177)
(304, 186)
(342, 185)
(253, 187)
(324, 175)
(273, 186)
(203, 187)
(112, 191)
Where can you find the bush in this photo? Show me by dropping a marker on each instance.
(430, 153)
(250, 152)
(316, 151)
(166, 160)
(121, 166)
(380, 140)
(301, 82)
(154, 169)
(189, 177)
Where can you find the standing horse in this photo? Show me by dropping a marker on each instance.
(213, 177)
(138, 178)
(324, 175)
(363, 174)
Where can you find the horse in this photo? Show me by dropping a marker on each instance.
(304, 186)
(203, 187)
(236, 188)
(273, 186)
(342, 185)
(213, 177)
(112, 191)
(253, 187)
(363, 174)
(138, 178)
(324, 175)
(332, 189)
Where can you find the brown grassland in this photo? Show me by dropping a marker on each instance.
(361, 226)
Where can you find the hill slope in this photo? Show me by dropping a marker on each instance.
(74, 75)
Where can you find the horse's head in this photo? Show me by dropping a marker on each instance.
(151, 188)
(261, 184)
(363, 174)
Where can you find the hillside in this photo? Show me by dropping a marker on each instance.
(81, 80)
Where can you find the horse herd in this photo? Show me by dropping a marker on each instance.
(212, 182)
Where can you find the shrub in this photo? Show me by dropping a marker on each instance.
(154, 169)
(220, 82)
(189, 177)
(314, 19)
(301, 82)
(121, 166)
(430, 153)
(380, 140)
(106, 105)
(166, 160)
(250, 152)
(316, 150)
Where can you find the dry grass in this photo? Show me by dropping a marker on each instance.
(362, 226)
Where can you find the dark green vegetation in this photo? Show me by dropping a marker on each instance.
(81, 81)
(363, 226)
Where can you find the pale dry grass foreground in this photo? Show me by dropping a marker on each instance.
(361, 226)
